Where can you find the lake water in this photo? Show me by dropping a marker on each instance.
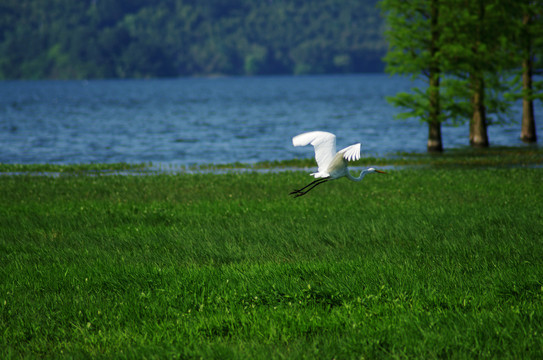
(210, 120)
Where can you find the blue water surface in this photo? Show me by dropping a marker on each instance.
(210, 120)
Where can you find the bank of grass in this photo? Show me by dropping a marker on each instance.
(433, 263)
(461, 157)
(70, 168)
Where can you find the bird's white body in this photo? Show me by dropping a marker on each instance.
(331, 164)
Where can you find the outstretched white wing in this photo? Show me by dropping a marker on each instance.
(324, 144)
(351, 153)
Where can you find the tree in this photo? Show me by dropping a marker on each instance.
(475, 53)
(527, 133)
(527, 43)
(459, 49)
(414, 36)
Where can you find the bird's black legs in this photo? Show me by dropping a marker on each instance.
(311, 186)
(311, 183)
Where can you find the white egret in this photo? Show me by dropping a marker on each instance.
(331, 165)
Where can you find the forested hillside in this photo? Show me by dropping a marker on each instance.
(168, 38)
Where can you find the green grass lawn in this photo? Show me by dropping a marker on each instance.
(433, 263)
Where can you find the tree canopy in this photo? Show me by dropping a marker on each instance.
(168, 38)
(465, 50)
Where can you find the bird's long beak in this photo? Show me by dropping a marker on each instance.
(380, 172)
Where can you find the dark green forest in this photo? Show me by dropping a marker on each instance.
(75, 39)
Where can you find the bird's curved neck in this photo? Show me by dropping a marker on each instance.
(359, 178)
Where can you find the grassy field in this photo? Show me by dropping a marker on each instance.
(433, 263)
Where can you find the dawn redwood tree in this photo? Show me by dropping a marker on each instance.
(527, 42)
(478, 135)
(474, 46)
(527, 131)
(414, 37)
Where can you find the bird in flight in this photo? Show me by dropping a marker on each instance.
(331, 165)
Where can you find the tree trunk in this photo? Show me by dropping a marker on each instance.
(434, 137)
(527, 132)
(477, 131)
(435, 143)
(477, 128)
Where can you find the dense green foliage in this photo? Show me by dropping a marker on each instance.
(467, 52)
(413, 264)
(144, 38)
(465, 45)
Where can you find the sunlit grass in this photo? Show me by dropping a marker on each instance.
(416, 263)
